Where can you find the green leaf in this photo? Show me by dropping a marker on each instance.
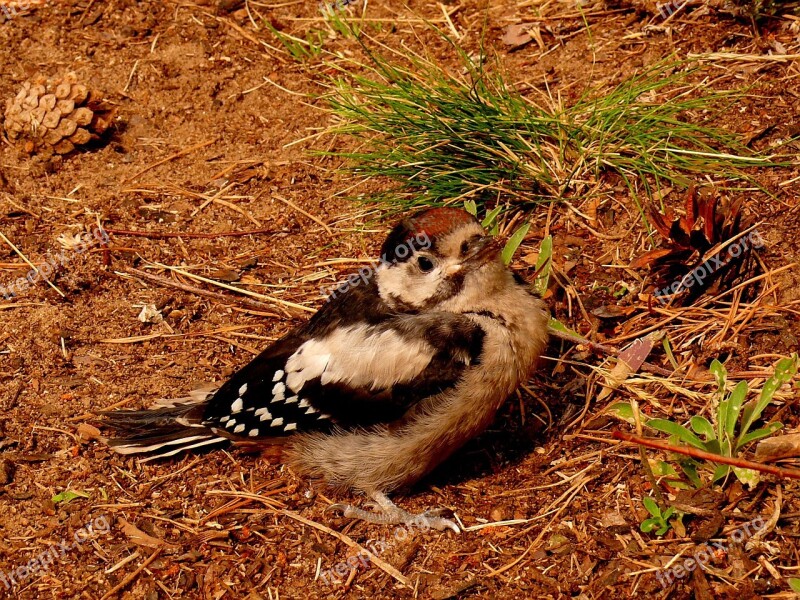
(720, 374)
(759, 434)
(672, 478)
(651, 506)
(668, 351)
(513, 243)
(749, 477)
(678, 484)
(747, 417)
(675, 429)
(714, 447)
(557, 325)
(794, 583)
(785, 369)
(663, 468)
(689, 468)
(68, 496)
(722, 419)
(544, 265)
(491, 216)
(734, 406)
(720, 472)
(668, 513)
(622, 410)
(471, 207)
(702, 426)
(725, 447)
(649, 524)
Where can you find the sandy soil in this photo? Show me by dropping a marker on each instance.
(213, 134)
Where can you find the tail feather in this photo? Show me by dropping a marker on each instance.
(136, 421)
(144, 444)
(167, 430)
(208, 442)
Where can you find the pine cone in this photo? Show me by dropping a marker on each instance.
(56, 115)
(691, 260)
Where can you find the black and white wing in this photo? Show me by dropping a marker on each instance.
(352, 375)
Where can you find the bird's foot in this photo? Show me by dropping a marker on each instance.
(388, 513)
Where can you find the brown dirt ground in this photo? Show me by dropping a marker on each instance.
(185, 77)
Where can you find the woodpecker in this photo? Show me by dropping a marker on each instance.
(387, 380)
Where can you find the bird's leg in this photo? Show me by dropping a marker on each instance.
(389, 513)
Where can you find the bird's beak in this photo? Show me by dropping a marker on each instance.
(482, 251)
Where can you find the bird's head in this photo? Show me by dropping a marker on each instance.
(436, 256)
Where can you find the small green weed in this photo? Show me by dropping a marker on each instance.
(660, 521)
(731, 430)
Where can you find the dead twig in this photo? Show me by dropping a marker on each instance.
(317, 220)
(133, 575)
(163, 281)
(242, 291)
(31, 265)
(166, 235)
(377, 561)
(183, 152)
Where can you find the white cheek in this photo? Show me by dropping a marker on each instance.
(407, 284)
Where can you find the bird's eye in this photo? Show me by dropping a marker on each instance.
(425, 264)
(464, 247)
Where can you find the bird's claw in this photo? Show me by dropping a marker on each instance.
(342, 508)
(387, 513)
(435, 519)
(434, 513)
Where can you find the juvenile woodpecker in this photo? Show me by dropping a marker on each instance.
(389, 378)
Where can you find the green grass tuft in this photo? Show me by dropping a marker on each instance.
(445, 136)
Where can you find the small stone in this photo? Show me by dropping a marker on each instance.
(497, 514)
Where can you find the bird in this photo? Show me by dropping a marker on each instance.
(399, 368)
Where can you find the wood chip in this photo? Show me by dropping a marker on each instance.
(88, 432)
(139, 537)
(775, 448)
